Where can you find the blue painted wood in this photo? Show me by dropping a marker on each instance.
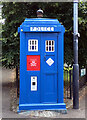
(49, 94)
(48, 73)
(58, 106)
(60, 67)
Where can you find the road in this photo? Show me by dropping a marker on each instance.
(7, 113)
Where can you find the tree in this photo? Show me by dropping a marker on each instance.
(83, 34)
(15, 14)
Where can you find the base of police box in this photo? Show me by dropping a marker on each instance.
(59, 107)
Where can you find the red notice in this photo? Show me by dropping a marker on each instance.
(33, 62)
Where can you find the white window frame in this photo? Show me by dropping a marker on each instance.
(50, 45)
(30, 45)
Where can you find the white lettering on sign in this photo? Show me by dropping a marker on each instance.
(41, 28)
(33, 63)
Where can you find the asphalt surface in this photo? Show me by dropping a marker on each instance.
(7, 113)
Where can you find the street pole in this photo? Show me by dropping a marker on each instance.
(75, 65)
(0, 62)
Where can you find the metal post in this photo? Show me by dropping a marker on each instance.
(70, 84)
(75, 65)
(67, 84)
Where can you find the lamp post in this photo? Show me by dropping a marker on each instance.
(1, 11)
(75, 65)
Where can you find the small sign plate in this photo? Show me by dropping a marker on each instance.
(33, 62)
(49, 61)
(83, 72)
(33, 83)
(41, 28)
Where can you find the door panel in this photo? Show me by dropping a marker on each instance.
(48, 68)
(32, 68)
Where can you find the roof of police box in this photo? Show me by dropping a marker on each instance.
(41, 21)
(41, 25)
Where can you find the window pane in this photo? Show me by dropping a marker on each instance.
(35, 42)
(32, 47)
(52, 48)
(35, 47)
(52, 42)
(46, 42)
(49, 48)
(49, 42)
(32, 42)
(46, 48)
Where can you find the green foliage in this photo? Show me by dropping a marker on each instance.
(83, 34)
(15, 14)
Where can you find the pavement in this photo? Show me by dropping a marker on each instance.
(7, 75)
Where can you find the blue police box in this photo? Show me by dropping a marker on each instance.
(41, 64)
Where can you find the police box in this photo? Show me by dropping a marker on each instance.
(41, 64)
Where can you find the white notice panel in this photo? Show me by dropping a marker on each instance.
(83, 72)
(33, 83)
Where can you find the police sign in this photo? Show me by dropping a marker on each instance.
(41, 28)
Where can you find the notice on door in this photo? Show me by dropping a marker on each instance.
(33, 62)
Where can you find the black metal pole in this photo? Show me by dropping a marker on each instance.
(75, 65)
(70, 84)
(67, 83)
